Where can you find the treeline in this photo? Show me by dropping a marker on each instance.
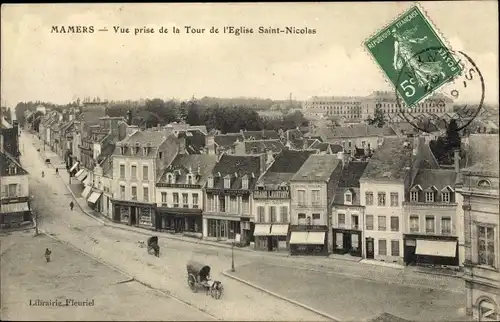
(22, 107)
(227, 119)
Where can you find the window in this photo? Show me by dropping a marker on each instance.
(122, 171)
(316, 219)
(185, 201)
(122, 192)
(245, 203)
(160, 155)
(145, 173)
(233, 204)
(341, 220)
(122, 150)
(382, 247)
(145, 151)
(414, 224)
(163, 197)
(134, 193)
(354, 222)
(445, 197)
(429, 196)
(302, 197)
(487, 311)
(211, 182)
(195, 200)
(429, 224)
(394, 247)
(369, 222)
(414, 196)
(394, 199)
(169, 178)
(446, 225)
(227, 183)
(133, 172)
(369, 198)
(302, 219)
(486, 246)
(381, 198)
(348, 197)
(394, 223)
(261, 213)
(175, 197)
(381, 223)
(244, 183)
(284, 214)
(273, 214)
(189, 179)
(222, 203)
(145, 192)
(12, 190)
(210, 202)
(315, 197)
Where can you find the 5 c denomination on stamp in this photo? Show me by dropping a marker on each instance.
(394, 48)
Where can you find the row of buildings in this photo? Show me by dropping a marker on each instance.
(387, 199)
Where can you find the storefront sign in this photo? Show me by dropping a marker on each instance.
(271, 194)
(178, 185)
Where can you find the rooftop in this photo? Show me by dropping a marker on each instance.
(389, 162)
(260, 146)
(260, 135)
(439, 178)
(351, 174)
(483, 154)
(183, 162)
(317, 168)
(226, 140)
(236, 167)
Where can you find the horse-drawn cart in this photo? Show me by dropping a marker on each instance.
(199, 276)
(153, 245)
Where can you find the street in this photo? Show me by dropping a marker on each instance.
(342, 289)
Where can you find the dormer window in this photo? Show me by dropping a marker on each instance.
(210, 182)
(122, 150)
(189, 179)
(170, 178)
(244, 182)
(137, 150)
(414, 193)
(348, 197)
(445, 197)
(145, 151)
(430, 194)
(484, 184)
(227, 182)
(12, 169)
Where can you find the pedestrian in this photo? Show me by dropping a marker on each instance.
(57, 170)
(43, 174)
(71, 205)
(47, 254)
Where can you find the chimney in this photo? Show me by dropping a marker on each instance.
(341, 157)
(456, 159)
(305, 144)
(129, 117)
(1, 143)
(262, 158)
(269, 156)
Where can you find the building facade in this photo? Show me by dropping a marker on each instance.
(312, 190)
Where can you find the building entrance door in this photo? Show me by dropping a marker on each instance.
(370, 253)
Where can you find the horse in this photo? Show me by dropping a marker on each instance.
(215, 289)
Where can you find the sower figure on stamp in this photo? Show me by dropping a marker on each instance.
(71, 205)
(47, 254)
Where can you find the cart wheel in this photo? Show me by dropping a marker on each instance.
(192, 283)
(217, 293)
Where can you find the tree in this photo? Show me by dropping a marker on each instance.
(452, 138)
(378, 118)
(183, 111)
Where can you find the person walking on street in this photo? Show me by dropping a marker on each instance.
(43, 174)
(57, 170)
(47, 254)
(71, 205)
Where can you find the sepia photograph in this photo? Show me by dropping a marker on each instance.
(321, 161)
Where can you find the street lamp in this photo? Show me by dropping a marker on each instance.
(232, 253)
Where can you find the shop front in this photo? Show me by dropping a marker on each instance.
(134, 213)
(222, 229)
(185, 221)
(94, 200)
(431, 250)
(15, 213)
(308, 240)
(81, 175)
(271, 237)
(347, 241)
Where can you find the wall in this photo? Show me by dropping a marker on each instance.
(128, 182)
(96, 148)
(21, 180)
(180, 191)
(387, 211)
(266, 203)
(309, 209)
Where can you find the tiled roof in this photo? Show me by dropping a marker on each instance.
(339, 197)
(241, 165)
(389, 162)
(289, 161)
(7, 160)
(148, 138)
(439, 178)
(195, 140)
(261, 146)
(200, 164)
(351, 174)
(353, 131)
(483, 154)
(226, 140)
(260, 135)
(186, 127)
(317, 168)
(92, 116)
(323, 147)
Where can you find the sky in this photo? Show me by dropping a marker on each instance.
(39, 65)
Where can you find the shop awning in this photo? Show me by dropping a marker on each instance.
(436, 248)
(74, 166)
(94, 196)
(86, 192)
(316, 238)
(299, 237)
(81, 175)
(262, 230)
(86, 181)
(14, 207)
(279, 230)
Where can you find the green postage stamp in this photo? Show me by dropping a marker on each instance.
(413, 56)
